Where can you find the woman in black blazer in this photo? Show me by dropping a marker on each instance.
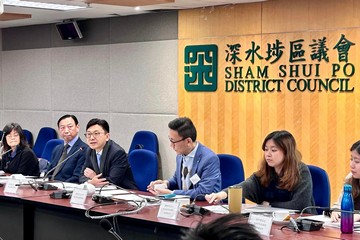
(17, 157)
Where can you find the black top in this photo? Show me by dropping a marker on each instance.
(24, 162)
(357, 203)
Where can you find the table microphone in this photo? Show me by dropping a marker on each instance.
(106, 224)
(45, 186)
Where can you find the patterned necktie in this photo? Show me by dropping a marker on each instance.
(62, 158)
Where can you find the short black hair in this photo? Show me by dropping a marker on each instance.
(68, 116)
(184, 126)
(17, 128)
(101, 122)
(229, 227)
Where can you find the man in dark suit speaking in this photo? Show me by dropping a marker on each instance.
(70, 170)
(105, 160)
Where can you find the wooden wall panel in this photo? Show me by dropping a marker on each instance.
(323, 123)
(220, 21)
(305, 15)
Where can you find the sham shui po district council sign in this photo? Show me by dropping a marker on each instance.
(201, 67)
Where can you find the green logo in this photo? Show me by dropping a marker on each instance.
(201, 63)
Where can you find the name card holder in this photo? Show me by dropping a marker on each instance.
(78, 196)
(11, 186)
(168, 209)
(261, 223)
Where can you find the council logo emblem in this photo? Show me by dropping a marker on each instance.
(201, 68)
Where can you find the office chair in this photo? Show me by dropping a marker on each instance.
(43, 165)
(45, 134)
(29, 137)
(232, 170)
(144, 166)
(49, 147)
(321, 187)
(145, 140)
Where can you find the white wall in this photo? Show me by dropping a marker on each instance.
(131, 85)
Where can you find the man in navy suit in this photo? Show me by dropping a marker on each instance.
(197, 167)
(70, 169)
(106, 162)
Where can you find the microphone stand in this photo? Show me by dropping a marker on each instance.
(42, 184)
(138, 206)
(327, 210)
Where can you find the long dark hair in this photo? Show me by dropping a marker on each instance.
(289, 176)
(17, 128)
(355, 183)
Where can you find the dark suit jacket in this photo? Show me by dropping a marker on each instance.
(24, 162)
(114, 165)
(71, 169)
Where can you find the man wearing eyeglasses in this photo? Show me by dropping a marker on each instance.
(105, 161)
(197, 167)
(67, 160)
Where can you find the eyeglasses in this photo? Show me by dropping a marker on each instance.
(173, 142)
(94, 134)
(12, 135)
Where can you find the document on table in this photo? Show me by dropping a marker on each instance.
(22, 179)
(246, 209)
(111, 192)
(221, 209)
(128, 197)
(64, 185)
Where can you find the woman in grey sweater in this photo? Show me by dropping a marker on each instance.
(282, 180)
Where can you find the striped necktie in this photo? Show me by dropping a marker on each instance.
(62, 158)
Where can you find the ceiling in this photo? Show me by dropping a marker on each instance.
(21, 16)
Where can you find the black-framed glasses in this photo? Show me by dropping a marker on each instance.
(173, 142)
(94, 134)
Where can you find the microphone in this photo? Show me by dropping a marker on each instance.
(43, 184)
(106, 224)
(2, 151)
(2, 147)
(2, 144)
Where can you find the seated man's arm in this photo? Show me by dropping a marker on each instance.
(210, 179)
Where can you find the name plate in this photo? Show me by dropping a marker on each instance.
(261, 223)
(78, 196)
(11, 186)
(168, 209)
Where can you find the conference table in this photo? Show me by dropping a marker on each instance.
(33, 215)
